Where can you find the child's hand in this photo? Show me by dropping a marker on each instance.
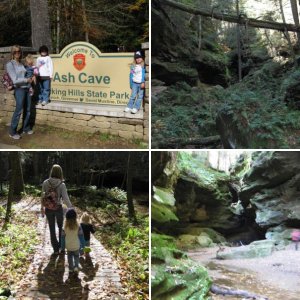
(143, 85)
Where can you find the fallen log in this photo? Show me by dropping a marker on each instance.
(243, 20)
(199, 141)
(225, 291)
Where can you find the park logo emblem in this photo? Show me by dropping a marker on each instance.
(79, 61)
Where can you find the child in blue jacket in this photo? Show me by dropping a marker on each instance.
(72, 240)
(137, 84)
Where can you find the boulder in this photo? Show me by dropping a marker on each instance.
(198, 231)
(174, 276)
(256, 249)
(281, 235)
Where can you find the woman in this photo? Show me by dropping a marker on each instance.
(16, 71)
(55, 214)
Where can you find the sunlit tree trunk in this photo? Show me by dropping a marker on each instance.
(286, 34)
(296, 17)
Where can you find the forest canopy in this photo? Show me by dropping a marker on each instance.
(109, 25)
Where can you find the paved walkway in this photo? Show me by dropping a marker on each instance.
(48, 276)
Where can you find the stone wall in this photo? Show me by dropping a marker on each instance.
(85, 118)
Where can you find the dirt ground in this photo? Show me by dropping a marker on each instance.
(45, 137)
(276, 277)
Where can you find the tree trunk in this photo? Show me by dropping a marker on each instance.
(131, 211)
(58, 27)
(181, 142)
(238, 31)
(233, 19)
(40, 24)
(16, 183)
(285, 32)
(296, 17)
(85, 22)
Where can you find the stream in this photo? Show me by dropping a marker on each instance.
(276, 277)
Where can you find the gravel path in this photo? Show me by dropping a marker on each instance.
(276, 276)
(48, 276)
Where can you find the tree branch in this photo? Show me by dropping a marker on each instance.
(232, 19)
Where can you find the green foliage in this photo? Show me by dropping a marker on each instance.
(183, 111)
(32, 190)
(257, 108)
(195, 168)
(116, 193)
(130, 245)
(17, 244)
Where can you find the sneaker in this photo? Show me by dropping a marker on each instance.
(134, 111)
(127, 109)
(76, 270)
(28, 132)
(15, 136)
(44, 103)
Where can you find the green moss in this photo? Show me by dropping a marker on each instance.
(174, 276)
(193, 170)
(164, 196)
(162, 213)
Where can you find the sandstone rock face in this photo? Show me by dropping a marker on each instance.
(205, 199)
(271, 187)
(163, 168)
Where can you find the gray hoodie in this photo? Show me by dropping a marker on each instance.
(61, 190)
(16, 72)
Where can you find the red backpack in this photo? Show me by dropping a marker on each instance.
(7, 82)
(50, 199)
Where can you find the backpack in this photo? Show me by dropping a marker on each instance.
(7, 82)
(50, 199)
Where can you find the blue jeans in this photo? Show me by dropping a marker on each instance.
(137, 95)
(73, 259)
(44, 85)
(23, 102)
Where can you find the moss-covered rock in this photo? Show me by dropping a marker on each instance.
(197, 231)
(164, 196)
(174, 276)
(162, 213)
(203, 196)
(256, 249)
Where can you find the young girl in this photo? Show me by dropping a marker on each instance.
(137, 84)
(31, 71)
(45, 66)
(72, 239)
(87, 228)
